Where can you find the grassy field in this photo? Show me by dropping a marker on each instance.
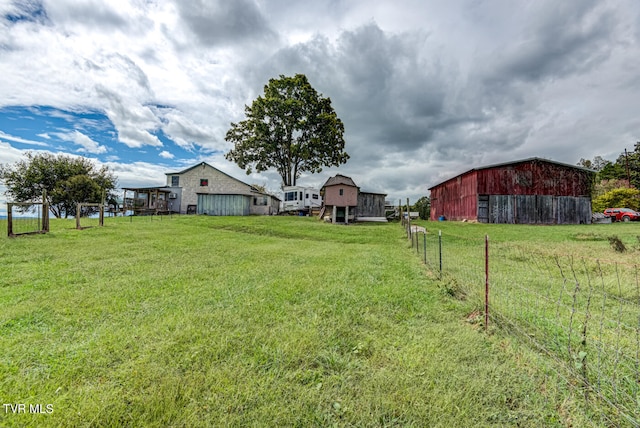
(568, 290)
(253, 321)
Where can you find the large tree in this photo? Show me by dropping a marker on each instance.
(291, 128)
(423, 207)
(67, 181)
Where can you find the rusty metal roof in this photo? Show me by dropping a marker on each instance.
(504, 164)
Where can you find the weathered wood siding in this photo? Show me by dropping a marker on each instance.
(533, 178)
(534, 191)
(456, 199)
(370, 205)
(537, 209)
(224, 204)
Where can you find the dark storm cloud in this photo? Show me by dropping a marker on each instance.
(221, 22)
(564, 38)
(384, 86)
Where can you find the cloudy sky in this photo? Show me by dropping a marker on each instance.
(426, 89)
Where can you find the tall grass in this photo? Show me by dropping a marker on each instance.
(250, 321)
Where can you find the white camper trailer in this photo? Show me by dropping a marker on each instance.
(301, 200)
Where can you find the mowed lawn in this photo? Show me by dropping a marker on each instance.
(249, 321)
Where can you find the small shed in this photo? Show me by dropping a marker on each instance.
(371, 206)
(344, 201)
(528, 191)
(340, 195)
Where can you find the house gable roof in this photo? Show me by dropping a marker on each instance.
(212, 167)
(528, 160)
(252, 189)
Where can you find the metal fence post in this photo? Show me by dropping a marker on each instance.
(486, 282)
(440, 250)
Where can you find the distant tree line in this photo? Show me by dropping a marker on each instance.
(617, 182)
(67, 181)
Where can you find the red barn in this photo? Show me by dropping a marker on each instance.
(529, 191)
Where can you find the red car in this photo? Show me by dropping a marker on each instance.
(622, 214)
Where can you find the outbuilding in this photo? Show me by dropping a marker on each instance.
(344, 202)
(528, 191)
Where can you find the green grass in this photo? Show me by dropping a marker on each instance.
(566, 290)
(251, 321)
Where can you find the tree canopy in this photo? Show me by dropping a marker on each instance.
(616, 182)
(67, 181)
(423, 207)
(626, 167)
(291, 128)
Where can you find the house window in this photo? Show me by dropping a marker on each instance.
(175, 181)
(259, 200)
(341, 192)
(315, 196)
(204, 182)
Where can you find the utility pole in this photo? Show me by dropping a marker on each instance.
(626, 161)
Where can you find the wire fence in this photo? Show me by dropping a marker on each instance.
(27, 218)
(582, 313)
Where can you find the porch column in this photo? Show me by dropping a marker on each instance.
(346, 214)
(334, 214)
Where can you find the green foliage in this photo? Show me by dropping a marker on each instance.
(604, 186)
(291, 128)
(631, 160)
(423, 207)
(626, 167)
(67, 181)
(617, 198)
(612, 171)
(596, 164)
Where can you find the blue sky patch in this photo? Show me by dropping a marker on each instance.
(88, 133)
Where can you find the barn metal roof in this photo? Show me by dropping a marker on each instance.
(497, 165)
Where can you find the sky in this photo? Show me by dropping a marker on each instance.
(426, 89)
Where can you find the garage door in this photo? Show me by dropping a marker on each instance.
(224, 204)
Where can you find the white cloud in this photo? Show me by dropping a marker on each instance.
(86, 143)
(138, 174)
(7, 137)
(166, 155)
